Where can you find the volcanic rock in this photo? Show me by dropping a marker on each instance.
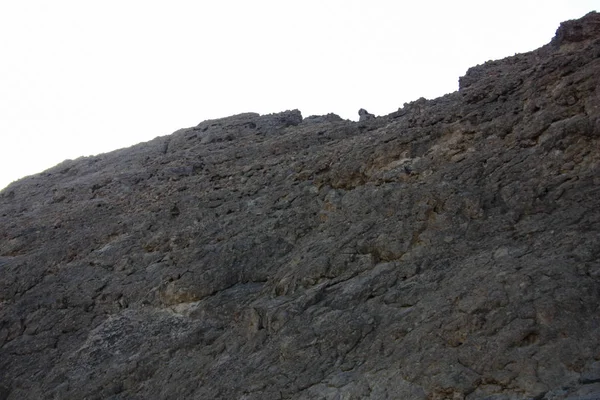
(448, 250)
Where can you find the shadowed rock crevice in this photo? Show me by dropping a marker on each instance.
(448, 250)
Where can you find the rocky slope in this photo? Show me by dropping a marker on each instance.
(449, 250)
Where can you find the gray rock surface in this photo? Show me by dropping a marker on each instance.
(449, 250)
(364, 115)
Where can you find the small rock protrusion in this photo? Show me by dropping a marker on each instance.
(364, 115)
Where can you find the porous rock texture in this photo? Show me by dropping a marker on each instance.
(448, 250)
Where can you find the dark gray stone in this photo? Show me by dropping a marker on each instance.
(448, 250)
(364, 115)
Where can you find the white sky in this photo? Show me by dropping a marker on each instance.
(84, 77)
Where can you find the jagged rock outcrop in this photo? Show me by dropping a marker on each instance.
(448, 250)
(364, 115)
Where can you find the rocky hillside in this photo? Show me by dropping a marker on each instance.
(449, 250)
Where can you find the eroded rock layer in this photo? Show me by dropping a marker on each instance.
(449, 250)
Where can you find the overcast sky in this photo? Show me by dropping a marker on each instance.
(84, 77)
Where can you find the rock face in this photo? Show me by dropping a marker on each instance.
(448, 250)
